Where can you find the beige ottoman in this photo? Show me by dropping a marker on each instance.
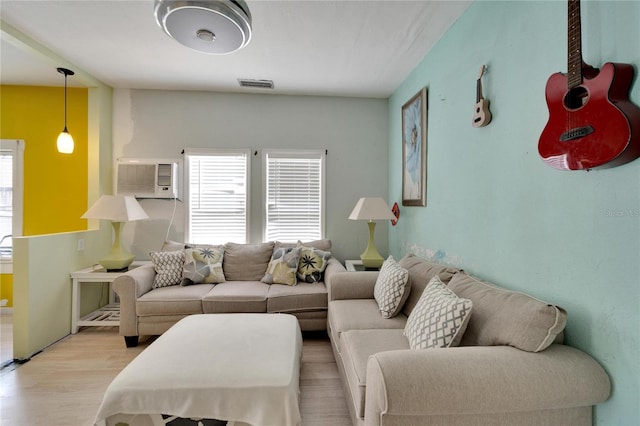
(236, 367)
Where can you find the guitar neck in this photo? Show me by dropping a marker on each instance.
(478, 91)
(574, 59)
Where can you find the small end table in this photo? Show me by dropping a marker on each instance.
(108, 315)
(356, 265)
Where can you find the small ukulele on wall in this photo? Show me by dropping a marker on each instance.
(481, 113)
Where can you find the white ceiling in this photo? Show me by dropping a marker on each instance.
(362, 48)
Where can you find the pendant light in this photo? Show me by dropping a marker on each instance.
(65, 141)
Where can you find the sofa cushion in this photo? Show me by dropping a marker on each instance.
(357, 347)
(236, 296)
(302, 297)
(312, 263)
(168, 266)
(420, 273)
(283, 266)
(318, 244)
(246, 262)
(392, 288)
(173, 300)
(439, 319)
(503, 317)
(359, 314)
(203, 264)
(169, 245)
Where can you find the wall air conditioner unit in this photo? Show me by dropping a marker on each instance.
(148, 178)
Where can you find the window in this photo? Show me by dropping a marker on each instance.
(217, 196)
(11, 187)
(294, 195)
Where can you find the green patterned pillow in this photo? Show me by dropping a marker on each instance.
(440, 318)
(168, 266)
(283, 267)
(203, 264)
(312, 263)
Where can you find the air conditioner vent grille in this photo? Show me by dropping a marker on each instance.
(257, 84)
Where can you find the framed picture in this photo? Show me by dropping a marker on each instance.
(414, 150)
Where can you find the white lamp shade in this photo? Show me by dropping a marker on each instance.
(371, 208)
(65, 142)
(116, 208)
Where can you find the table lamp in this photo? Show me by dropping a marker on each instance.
(118, 209)
(371, 209)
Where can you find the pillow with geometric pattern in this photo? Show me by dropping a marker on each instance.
(439, 319)
(392, 288)
(168, 266)
(203, 264)
(283, 266)
(312, 263)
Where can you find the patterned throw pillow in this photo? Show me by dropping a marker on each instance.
(392, 288)
(312, 263)
(439, 319)
(168, 266)
(203, 264)
(283, 267)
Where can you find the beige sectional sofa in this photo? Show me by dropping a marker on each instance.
(510, 368)
(145, 310)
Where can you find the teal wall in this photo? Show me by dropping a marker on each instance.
(495, 209)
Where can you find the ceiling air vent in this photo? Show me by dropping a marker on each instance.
(257, 84)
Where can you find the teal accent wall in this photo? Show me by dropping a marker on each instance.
(495, 209)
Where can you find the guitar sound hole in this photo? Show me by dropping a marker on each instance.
(576, 98)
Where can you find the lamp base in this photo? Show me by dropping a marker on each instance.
(117, 262)
(371, 263)
(371, 259)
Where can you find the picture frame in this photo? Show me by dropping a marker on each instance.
(414, 150)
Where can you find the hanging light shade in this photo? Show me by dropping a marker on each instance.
(65, 140)
(214, 27)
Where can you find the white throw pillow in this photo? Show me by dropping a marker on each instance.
(439, 318)
(392, 288)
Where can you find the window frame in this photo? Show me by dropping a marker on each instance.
(16, 146)
(207, 152)
(299, 153)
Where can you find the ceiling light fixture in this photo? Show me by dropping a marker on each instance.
(215, 27)
(65, 141)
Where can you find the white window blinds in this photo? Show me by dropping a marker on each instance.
(294, 195)
(217, 196)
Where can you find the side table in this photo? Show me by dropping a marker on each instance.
(108, 315)
(356, 265)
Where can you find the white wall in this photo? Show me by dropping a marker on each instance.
(160, 124)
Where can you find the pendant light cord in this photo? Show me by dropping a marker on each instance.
(66, 73)
(65, 102)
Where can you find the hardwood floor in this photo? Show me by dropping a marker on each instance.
(65, 383)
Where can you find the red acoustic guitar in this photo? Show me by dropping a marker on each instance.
(591, 123)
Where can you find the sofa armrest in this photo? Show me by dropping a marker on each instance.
(129, 287)
(481, 379)
(333, 267)
(352, 285)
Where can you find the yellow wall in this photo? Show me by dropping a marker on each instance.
(55, 185)
(6, 288)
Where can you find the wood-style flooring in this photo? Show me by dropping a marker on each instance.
(64, 384)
